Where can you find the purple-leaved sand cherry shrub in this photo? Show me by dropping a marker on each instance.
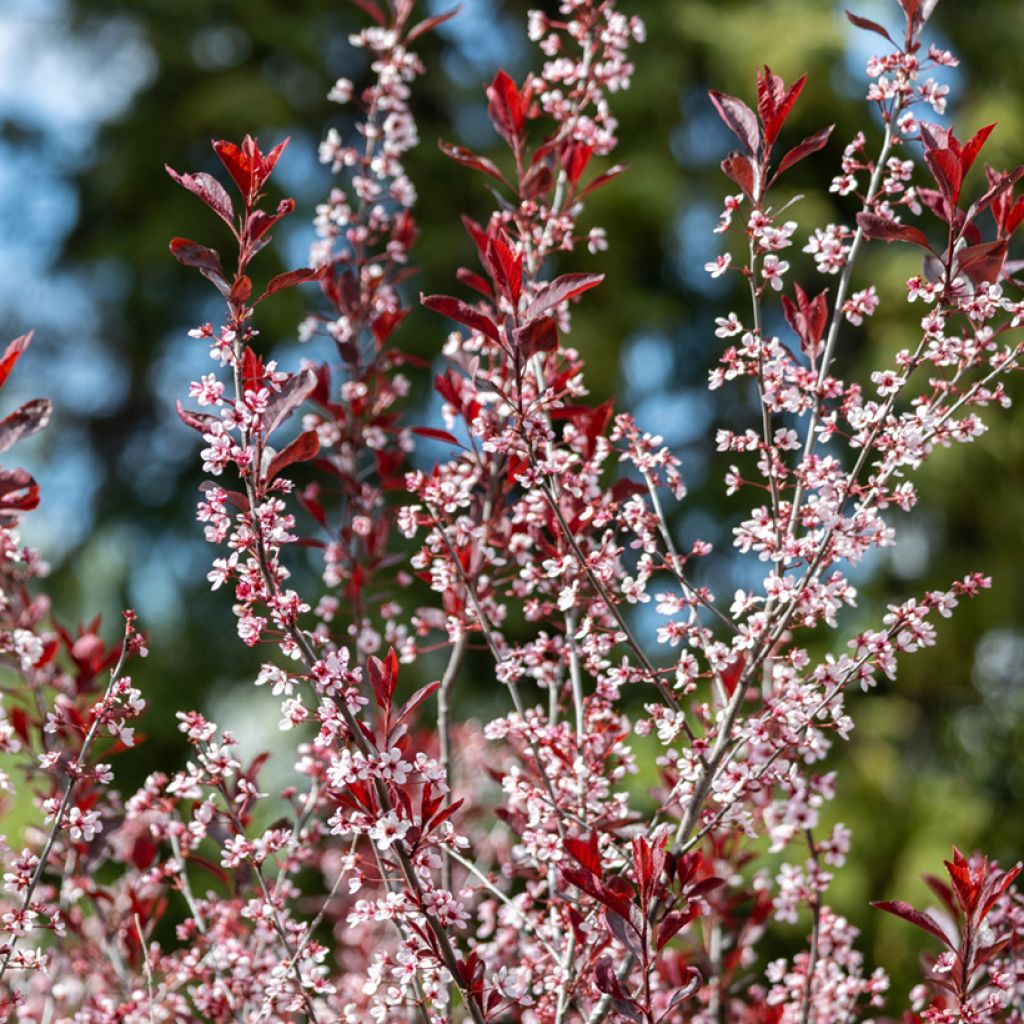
(432, 868)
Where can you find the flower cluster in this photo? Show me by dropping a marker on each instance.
(423, 865)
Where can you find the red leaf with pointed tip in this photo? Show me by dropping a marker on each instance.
(585, 852)
(506, 109)
(538, 335)
(505, 267)
(983, 262)
(739, 118)
(809, 145)
(260, 222)
(456, 309)
(283, 403)
(563, 288)
(238, 164)
(290, 279)
(192, 254)
(372, 10)
(302, 449)
(916, 917)
(429, 24)
(946, 170)
(25, 421)
(875, 226)
(972, 147)
(201, 421)
(870, 26)
(207, 188)
(468, 158)
(437, 435)
(18, 492)
(603, 179)
(11, 355)
(739, 168)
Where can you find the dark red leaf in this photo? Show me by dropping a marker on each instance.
(505, 267)
(192, 254)
(290, 279)
(946, 170)
(810, 145)
(201, 421)
(870, 26)
(916, 917)
(429, 24)
(875, 226)
(474, 281)
(672, 924)
(302, 449)
(568, 286)
(506, 109)
(983, 262)
(260, 222)
(468, 158)
(603, 179)
(372, 10)
(415, 701)
(538, 335)
(23, 422)
(209, 190)
(739, 168)
(740, 119)
(283, 403)
(456, 309)
(585, 852)
(11, 355)
(18, 493)
(437, 435)
(972, 147)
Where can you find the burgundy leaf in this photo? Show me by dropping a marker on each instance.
(585, 852)
(290, 279)
(372, 10)
(437, 435)
(260, 222)
(884, 230)
(603, 179)
(192, 254)
(456, 309)
(810, 145)
(429, 24)
(871, 26)
(283, 403)
(18, 493)
(505, 267)
(11, 355)
(983, 262)
(201, 421)
(916, 917)
(209, 190)
(946, 170)
(506, 109)
(972, 147)
(740, 119)
(302, 449)
(740, 168)
(468, 158)
(568, 286)
(23, 422)
(538, 335)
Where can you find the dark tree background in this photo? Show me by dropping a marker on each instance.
(96, 95)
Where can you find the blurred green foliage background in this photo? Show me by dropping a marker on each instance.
(96, 95)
